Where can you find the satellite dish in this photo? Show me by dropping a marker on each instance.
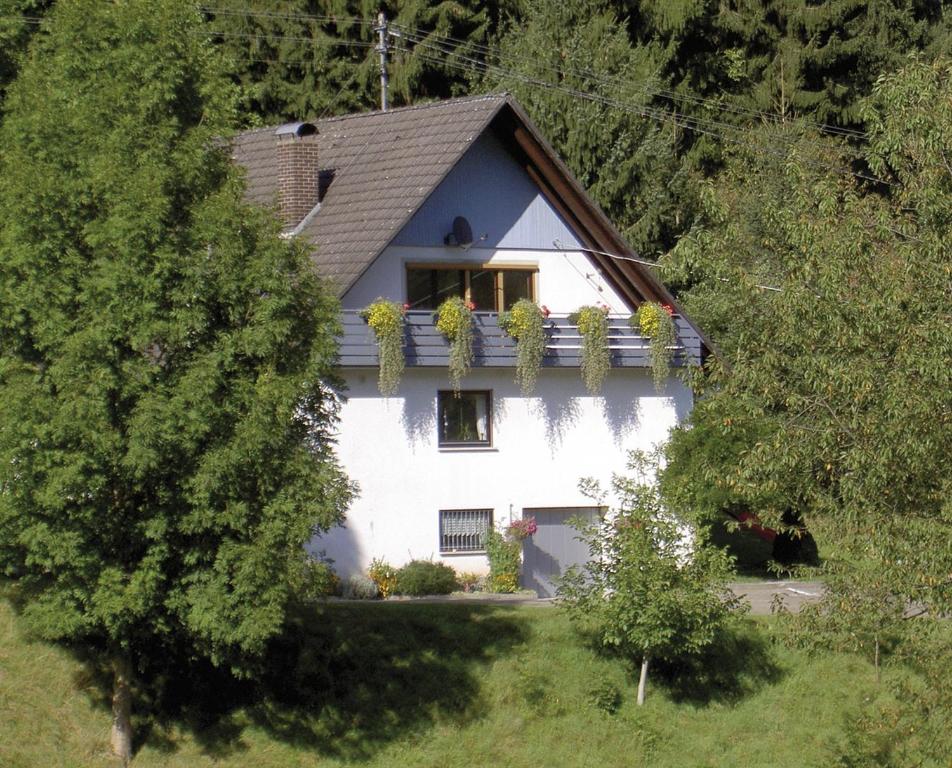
(462, 234)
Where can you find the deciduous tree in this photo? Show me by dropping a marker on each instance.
(653, 587)
(165, 358)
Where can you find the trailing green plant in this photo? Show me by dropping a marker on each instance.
(505, 559)
(525, 323)
(454, 319)
(655, 321)
(423, 577)
(384, 576)
(592, 324)
(386, 318)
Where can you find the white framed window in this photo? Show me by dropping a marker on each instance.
(464, 530)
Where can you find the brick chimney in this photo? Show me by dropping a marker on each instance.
(298, 171)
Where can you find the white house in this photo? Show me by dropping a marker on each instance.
(378, 194)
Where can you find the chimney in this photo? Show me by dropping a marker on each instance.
(298, 171)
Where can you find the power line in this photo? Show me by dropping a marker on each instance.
(489, 52)
(747, 139)
(647, 89)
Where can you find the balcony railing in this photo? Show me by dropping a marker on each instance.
(426, 346)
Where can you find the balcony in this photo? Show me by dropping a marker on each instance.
(426, 346)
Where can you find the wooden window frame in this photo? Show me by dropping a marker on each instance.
(468, 267)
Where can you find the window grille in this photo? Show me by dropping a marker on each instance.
(464, 530)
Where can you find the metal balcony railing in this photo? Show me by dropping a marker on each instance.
(426, 346)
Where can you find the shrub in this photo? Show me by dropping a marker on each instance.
(315, 579)
(422, 577)
(505, 558)
(471, 582)
(384, 576)
(360, 588)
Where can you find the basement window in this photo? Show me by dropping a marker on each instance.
(464, 530)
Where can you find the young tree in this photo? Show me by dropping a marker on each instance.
(165, 358)
(653, 587)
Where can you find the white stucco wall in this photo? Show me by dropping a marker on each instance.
(542, 446)
(565, 281)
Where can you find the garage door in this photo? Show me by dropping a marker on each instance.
(554, 548)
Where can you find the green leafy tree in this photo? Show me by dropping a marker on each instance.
(838, 400)
(165, 357)
(653, 587)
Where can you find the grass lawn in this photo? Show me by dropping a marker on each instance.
(440, 685)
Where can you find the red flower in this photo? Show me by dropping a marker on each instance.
(545, 311)
(470, 306)
(406, 307)
(668, 308)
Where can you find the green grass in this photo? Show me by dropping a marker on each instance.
(440, 685)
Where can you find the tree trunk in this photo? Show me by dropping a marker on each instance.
(122, 708)
(643, 680)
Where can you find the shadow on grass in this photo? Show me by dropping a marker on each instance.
(737, 664)
(344, 680)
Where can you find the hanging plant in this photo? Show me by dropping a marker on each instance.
(655, 321)
(454, 319)
(525, 323)
(386, 318)
(592, 324)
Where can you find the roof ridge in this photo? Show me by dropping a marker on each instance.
(435, 104)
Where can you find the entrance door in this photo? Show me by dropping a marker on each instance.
(554, 547)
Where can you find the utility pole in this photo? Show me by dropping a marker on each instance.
(383, 48)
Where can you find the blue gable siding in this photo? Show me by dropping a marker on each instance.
(497, 197)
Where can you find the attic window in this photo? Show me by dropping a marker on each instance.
(491, 288)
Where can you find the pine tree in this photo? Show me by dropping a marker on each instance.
(312, 57)
(166, 360)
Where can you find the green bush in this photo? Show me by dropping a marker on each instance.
(421, 577)
(505, 559)
(315, 579)
(360, 588)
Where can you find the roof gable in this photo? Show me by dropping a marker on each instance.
(504, 206)
(386, 165)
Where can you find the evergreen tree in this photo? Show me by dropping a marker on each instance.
(19, 20)
(309, 57)
(628, 160)
(165, 358)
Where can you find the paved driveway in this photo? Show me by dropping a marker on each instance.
(759, 594)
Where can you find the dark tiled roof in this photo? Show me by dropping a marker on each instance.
(385, 165)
